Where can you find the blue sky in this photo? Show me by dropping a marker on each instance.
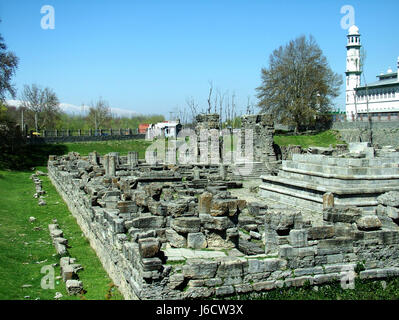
(148, 56)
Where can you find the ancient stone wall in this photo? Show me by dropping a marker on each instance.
(63, 139)
(160, 236)
(263, 131)
(384, 133)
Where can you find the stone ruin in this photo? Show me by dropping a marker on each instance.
(177, 232)
(354, 177)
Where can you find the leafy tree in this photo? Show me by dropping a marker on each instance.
(298, 84)
(42, 106)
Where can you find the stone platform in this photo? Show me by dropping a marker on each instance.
(303, 180)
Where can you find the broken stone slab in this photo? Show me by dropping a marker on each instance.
(390, 198)
(342, 214)
(369, 223)
(216, 223)
(249, 248)
(186, 224)
(281, 219)
(61, 249)
(226, 207)
(177, 208)
(74, 287)
(61, 240)
(148, 222)
(175, 240)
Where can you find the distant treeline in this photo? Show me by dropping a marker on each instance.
(75, 122)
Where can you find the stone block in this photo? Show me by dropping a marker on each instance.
(224, 207)
(321, 232)
(149, 247)
(151, 264)
(175, 240)
(224, 290)
(186, 224)
(204, 202)
(390, 198)
(61, 249)
(392, 212)
(176, 209)
(264, 285)
(200, 269)
(68, 272)
(325, 278)
(74, 287)
(369, 223)
(231, 267)
(148, 222)
(298, 238)
(299, 281)
(344, 214)
(328, 200)
(216, 223)
(196, 240)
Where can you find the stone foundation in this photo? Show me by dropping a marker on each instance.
(161, 235)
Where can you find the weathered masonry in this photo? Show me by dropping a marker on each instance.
(176, 232)
(355, 178)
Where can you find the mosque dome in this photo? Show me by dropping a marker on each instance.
(353, 30)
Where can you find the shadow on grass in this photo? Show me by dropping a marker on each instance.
(31, 156)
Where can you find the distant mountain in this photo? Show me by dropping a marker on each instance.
(81, 110)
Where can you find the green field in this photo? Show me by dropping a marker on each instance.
(322, 139)
(26, 247)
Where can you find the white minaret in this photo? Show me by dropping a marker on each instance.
(353, 70)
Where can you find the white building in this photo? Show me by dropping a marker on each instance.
(380, 98)
(166, 129)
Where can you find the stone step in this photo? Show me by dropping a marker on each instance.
(308, 200)
(345, 162)
(360, 172)
(323, 189)
(341, 173)
(336, 182)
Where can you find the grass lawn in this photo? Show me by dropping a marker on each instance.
(24, 250)
(322, 139)
(104, 147)
(386, 289)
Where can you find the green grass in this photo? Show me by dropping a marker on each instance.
(104, 147)
(22, 247)
(364, 290)
(323, 139)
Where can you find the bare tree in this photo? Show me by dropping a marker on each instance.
(42, 106)
(193, 106)
(8, 66)
(209, 97)
(99, 113)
